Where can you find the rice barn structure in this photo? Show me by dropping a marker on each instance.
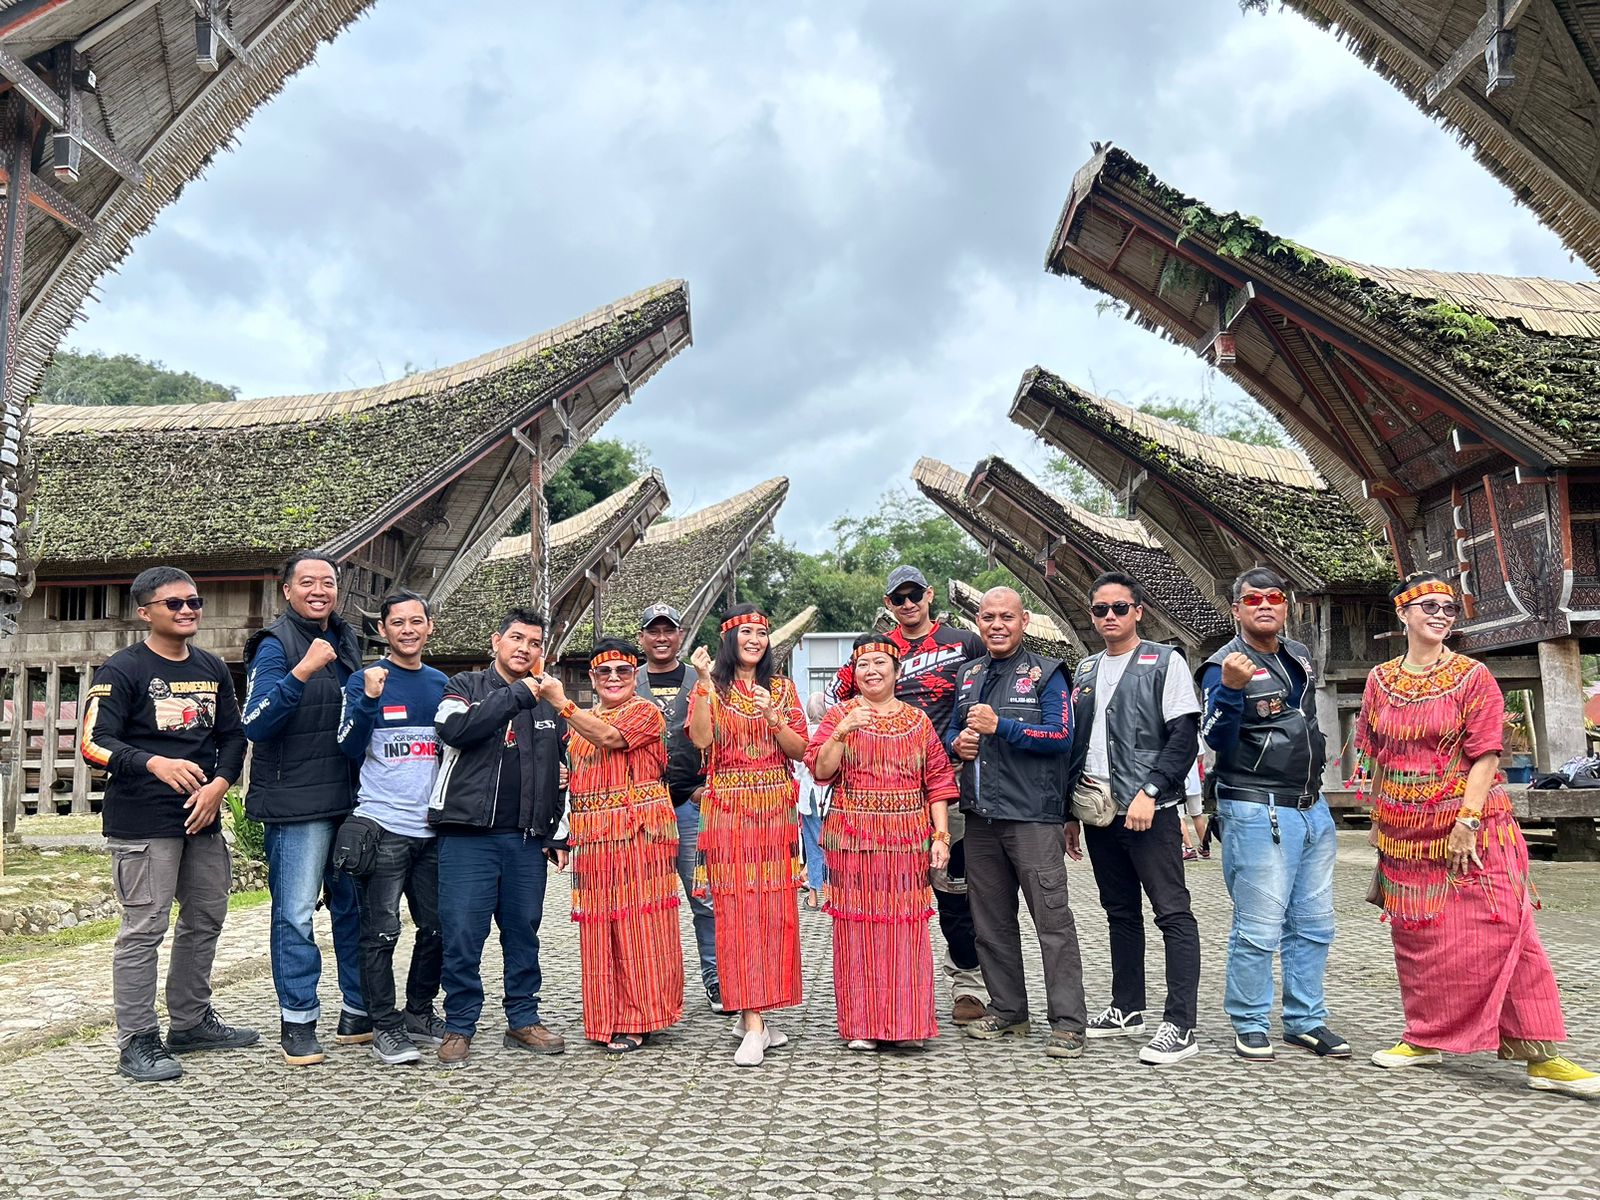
(228, 490)
(1452, 411)
(1042, 636)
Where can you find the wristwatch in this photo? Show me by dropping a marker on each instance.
(1473, 823)
(1151, 790)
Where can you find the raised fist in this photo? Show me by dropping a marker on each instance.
(373, 679)
(1237, 671)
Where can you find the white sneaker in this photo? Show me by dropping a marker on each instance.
(775, 1037)
(1113, 1022)
(752, 1049)
(1170, 1045)
(861, 1044)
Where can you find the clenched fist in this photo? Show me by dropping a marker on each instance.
(318, 655)
(982, 719)
(700, 660)
(859, 717)
(966, 745)
(1237, 671)
(373, 679)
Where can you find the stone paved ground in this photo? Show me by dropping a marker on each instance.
(960, 1120)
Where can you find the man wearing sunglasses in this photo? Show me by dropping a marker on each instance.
(932, 656)
(1278, 839)
(1137, 720)
(162, 718)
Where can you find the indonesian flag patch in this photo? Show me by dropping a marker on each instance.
(1261, 673)
(1146, 659)
(394, 712)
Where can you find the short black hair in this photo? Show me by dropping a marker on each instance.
(1121, 578)
(606, 644)
(295, 560)
(521, 616)
(1260, 577)
(1416, 577)
(402, 596)
(152, 579)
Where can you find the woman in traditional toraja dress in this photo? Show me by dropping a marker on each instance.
(1452, 862)
(750, 722)
(888, 824)
(624, 836)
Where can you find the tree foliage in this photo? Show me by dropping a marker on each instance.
(599, 468)
(95, 378)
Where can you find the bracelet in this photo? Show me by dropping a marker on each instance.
(941, 835)
(567, 709)
(837, 737)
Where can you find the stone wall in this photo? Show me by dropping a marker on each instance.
(53, 916)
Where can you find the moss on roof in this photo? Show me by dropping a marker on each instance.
(1041, 637)
(1316, 528)
(1554, 381)
(247, 496)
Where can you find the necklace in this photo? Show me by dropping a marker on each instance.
(1421, 668)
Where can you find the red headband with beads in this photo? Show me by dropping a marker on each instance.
(753, 618)
(1428, 587)
(888, 648)
(606, 656)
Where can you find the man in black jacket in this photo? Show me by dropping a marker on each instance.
(498, 808)
(1137, 720)
(301, 788)
(662, 682)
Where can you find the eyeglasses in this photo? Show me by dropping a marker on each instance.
(1257, 599)
(912, 595)
(1434, 608)
(612, 671)
(176, 604)
(1121, 607)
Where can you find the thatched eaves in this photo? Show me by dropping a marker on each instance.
(237, 485)
(787, 636)
(1082, 545)
(1536, 136)
(1042, 636)
(1218, 505)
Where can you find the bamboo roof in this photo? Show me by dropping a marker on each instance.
(1217, 505)
(1042, 636)
(1538, 135)
(787, 636)
(240, 484)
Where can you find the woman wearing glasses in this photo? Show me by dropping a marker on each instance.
(750, 723)
(624, 836)
(1452, 863)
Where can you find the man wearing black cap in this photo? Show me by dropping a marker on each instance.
(932, 656)
(662, 683)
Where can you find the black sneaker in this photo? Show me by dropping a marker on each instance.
(355, 1029)
(1254, 1046)
(146, 1060)
(1113, 1022)
(1321, 1041)
(425, 1029)
(392, 1047)
(1170, 1045)
(210, 1034)
(714, 998)
(300, 1045)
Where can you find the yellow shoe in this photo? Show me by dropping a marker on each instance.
(1405, 1054)
(1561, 1075)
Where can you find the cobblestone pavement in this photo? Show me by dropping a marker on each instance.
(963, 1119)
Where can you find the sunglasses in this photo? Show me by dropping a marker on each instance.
(177, 604)
(1434, 608)
(912, 595)
(1121, 607)
(1257, 599)
(612, 671)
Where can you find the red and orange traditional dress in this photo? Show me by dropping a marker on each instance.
(1472, 969)
(877, 836)
(624, 838)
(749, 853)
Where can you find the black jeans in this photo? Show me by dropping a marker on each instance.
(955, 914)
(409, 867)
(1125, 861)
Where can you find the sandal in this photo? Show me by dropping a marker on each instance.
(623, 1043)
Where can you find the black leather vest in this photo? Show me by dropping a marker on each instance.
(1136, 725)
(1281, 747)
(1007, 783)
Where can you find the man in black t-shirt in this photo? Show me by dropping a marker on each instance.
(163, 719)
(932, 656)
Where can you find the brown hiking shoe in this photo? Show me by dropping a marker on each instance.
(454, 1049)
(540, 1039)
(968, 1009)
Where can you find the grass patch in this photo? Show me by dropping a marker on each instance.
(59, 825)
(34, 875)
(41, 945)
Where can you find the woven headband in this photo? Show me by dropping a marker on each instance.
(1428, 587)
(888, 648)
(606, 656)
(745, 619)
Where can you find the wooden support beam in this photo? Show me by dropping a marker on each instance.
(99, 33)
(25, 12)
(51, 734)
(16, 149)
(44, 99)
(49, 200)
(211, 21)
(1498, 17)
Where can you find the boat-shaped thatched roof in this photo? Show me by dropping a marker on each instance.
(1042, 636)
(787, 636)
(237, 485)
(1219, 505)
(1393, 382)
(1082, 545)
(1538, 135)
(585, 552)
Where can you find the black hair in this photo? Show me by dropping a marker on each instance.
(1416, 577)
(1259, 577)
(295, 560)
(875, 639)
(152, 579)
(402, 596)
(521, 616)
(722, 671)
(614, 644)
(1119, 578)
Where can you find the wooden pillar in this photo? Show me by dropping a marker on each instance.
(80, 769)
(17, 781)
(1328, 719)
(49, 735)
(1558, 704)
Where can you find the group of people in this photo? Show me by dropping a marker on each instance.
(962, 770)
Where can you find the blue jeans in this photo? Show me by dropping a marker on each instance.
(299, 870)
(1282, 904)
(705, 931)
(811, 839)
(498, 876)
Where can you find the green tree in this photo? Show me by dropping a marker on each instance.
(599, 468)
(95, 378)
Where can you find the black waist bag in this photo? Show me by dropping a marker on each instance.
(355, 846)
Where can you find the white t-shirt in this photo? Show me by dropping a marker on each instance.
(1178, 699)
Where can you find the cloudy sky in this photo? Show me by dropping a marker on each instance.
(859, 194)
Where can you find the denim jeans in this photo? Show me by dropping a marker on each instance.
(299, 869)
(409, 867)
(484, 877)
(705, 929)
(1282, 903)
(811, 841)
